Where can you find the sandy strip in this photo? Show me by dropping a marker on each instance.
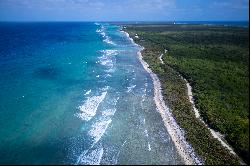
(160, 57)
(176, 133)
(215, 134)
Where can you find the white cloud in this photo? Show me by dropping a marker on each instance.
(92, 4)
(231, 4)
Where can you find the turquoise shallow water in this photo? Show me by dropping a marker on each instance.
(76, 93)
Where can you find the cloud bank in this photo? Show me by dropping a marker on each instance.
(123, 10)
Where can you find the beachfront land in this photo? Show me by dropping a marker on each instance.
(215, 61)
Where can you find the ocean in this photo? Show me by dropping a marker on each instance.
(76, 93)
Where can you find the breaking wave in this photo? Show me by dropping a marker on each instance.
(106, 38)
(89, 107)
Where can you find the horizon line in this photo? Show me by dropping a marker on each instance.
(124, 21)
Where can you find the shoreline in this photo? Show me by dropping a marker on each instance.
(176, 133)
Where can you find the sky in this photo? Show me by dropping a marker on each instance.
(124, 10)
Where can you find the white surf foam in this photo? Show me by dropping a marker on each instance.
(103, 34)
(149, 147)
(89, 108)
(108, 59)
(92, 158)
(130, 88)
(101, 31)
(88, 92)
(107, 75)
(108, 40)
(109, 112)
(105, 88)
(105, 61)
(98, 129)
(146, 134)
(98, 30)
(110, 52)
(111, 70)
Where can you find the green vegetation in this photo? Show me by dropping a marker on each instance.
(215, 60)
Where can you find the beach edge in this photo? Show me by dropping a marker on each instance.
(184, 149)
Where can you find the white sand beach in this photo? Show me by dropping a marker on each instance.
(177, 135)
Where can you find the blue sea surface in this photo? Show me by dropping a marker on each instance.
(76, 93)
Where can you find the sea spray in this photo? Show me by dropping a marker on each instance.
(89, 108)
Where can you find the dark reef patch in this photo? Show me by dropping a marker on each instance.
(47, 72)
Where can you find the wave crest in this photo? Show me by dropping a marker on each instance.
(106, 39)
(89, 108)
(92, 158)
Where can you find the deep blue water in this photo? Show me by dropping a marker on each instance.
(76, 93)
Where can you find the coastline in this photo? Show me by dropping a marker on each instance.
(182, 61)
(176, 133)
